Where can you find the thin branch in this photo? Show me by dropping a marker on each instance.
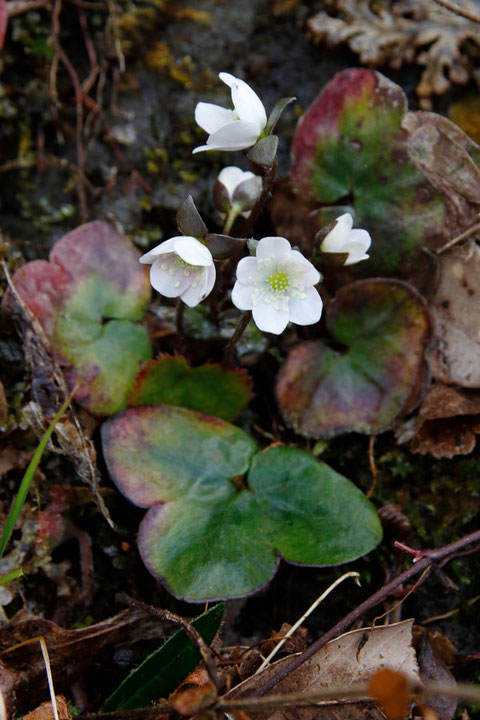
(458, 10)
(430, 558)
(457, 239)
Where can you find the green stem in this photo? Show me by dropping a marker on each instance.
(27, 479)
(232, 215)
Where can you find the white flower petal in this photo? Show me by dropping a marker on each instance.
(232, 176)
(356, 253)
(310, 275)
(247, 269)
(277, 247)
(268, 319)
(212, 117)
(246, 102)
(360, 237)
(202, 148)
(237, 135)
(165, 247)
(242, 295)
(167, 283)
(192, 251)
(307, 310)
(336, 238)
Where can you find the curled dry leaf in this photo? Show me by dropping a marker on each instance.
(450, 160)
(409, 31)
(349, 659)
(455, 308)
(22, 670)
(448, 421)
(434, 669)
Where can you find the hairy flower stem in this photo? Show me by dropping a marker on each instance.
(258, 207)
(179, 313)
(230, 348)
(430, 557)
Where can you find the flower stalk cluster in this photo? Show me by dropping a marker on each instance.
(276, 283)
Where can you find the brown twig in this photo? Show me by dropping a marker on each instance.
(458, 10)
(373, 467)
(193, 635)
(431, 557)
(18, 7)
(457, 239)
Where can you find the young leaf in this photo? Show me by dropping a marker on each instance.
(209, 388)
(162, 671)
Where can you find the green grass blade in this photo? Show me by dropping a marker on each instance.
(27, 479)
(13, 575)
(162, 671)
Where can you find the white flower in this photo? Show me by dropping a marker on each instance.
(182, 267)
(277, 285)
(231, 188)
(232, 129)
(342, 239)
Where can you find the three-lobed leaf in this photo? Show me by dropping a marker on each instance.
(220, 514)
(89, 298)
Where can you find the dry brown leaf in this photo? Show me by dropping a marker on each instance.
(22, 669)
(448, 421)
(11, 458)
(45, 711)
(433, 669)
(455, 309)
(450, 160)
(351, 658)
(401, 31)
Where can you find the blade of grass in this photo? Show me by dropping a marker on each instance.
(13, 575)
(27, 479)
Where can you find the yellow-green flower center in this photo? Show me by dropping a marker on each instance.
(278, 281)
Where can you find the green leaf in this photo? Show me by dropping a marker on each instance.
(89, 298)
(314, 516)
(384, 326)
(211, 530)
(156, 454)
(276, 113)
(264, 152)
(208, 545)
(350, 148)
(189, 219)
(209, 388)
(162, 671)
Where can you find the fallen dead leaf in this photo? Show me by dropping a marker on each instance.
(45, 711)
(349, 659)
(433, 669)
(22, 669)
(455, 308)
(11, 458)
(3, 407)
(449, 158)
(448, 421)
